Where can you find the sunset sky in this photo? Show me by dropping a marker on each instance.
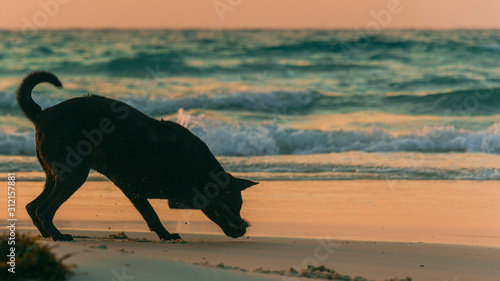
(419, 14)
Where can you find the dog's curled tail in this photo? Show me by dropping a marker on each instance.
(28, 106)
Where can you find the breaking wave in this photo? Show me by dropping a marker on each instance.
(246, 140)
(238, 139)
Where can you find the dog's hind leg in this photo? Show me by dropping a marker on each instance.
(63, 189)
(47, 189)
(33, 205)
(148, 213)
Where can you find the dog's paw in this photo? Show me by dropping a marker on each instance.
(173, 238)
(63, 237)
(172, 241)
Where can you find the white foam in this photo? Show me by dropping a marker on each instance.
(9, 100)
(17, 143)
(271, 139)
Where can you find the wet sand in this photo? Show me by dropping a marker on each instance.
(450, 212)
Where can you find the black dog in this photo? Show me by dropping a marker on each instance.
(144, 157)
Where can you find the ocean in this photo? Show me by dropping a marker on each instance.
(281, 105)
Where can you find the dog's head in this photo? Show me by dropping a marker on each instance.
(225, 205)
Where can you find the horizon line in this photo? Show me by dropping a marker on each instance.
(251, 29)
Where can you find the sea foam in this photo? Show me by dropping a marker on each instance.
(244, 139)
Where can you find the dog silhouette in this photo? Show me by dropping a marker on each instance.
(144, 157)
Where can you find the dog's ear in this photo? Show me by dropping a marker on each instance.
(242, 184)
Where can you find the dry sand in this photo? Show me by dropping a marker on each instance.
(134, 259)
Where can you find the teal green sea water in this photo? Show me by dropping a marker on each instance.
(282, 104)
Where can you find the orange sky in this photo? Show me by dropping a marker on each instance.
(436, 14)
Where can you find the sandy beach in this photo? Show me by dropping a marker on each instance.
(392, 229)
(103, 259)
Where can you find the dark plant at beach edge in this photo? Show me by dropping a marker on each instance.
(33, 260)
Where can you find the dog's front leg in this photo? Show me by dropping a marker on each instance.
(152, 219)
